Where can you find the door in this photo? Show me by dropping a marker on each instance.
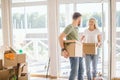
(98, 10)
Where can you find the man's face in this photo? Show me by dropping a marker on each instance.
(78, 21)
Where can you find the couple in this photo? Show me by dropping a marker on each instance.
(91, 35)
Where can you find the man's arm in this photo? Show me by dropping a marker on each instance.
(63, 35)
(61, 39)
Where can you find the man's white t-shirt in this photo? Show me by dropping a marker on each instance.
(91, 36)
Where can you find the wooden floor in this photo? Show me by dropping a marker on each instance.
(36, 78)
(39, 78)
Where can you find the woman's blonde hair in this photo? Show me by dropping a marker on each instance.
(95, 22)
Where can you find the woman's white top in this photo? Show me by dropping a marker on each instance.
(91, 36)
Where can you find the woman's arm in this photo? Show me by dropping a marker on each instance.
(83, 36)
(99, 40)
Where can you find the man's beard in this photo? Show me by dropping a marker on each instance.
(79, 25)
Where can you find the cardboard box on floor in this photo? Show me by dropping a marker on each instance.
(89, 48)
(74, 48)
(22, 65)
(21, 58)
(22, 69)
(10, 63)
(23, 77)
(4, 74)
(13, 74)
(25, 69)
(1, 64)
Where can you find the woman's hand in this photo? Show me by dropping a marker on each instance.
(82, 39)
(99, 44)
(65, 54)
(99, 40)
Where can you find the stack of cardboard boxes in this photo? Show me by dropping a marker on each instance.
(4, 74)
(13, 67)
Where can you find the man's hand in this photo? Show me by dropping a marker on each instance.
(61, 40)
(65, 54)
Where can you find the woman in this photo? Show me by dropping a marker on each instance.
(91, 35)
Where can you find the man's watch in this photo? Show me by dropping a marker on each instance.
(63, 49)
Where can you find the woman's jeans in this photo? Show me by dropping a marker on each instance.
(77, 69)
(88, 60)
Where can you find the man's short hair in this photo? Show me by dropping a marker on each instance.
(76, 15)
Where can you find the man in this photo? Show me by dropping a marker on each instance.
(71, 33)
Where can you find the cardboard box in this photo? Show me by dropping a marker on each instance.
(22, 69)
(21, 58)
(8, 63)
(13, 74)
(74, 48)
(4, 74)
(25, 69)
(89, 48)
(23, 77)
(1, 64)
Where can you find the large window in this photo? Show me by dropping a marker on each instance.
(30, 30)
(87, 10)
(117, 56)
(66, 12)
(30, 34)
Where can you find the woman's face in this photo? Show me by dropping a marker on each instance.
(91, 23)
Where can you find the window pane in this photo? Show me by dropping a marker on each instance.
(117, 56)
(105, 43)
(66, 11)
(30, 35)
(65, 18)
(30, 17)
(90, 10)
(18, 1)
(1, 35)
